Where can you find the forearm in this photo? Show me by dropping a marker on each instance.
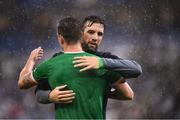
(42, 92)
(122, 91)
(43, 96)
(127, 68)
(25, 79)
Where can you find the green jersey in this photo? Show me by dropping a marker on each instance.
(89, 86)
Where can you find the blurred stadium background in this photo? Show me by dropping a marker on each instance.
(147, 31)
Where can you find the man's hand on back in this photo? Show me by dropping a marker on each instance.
(87, 62)
(59, 95)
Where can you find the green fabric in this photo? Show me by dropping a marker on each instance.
(89, 86)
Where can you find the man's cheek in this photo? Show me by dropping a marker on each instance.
(99, 42)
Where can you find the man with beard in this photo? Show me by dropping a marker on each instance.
(93, 31)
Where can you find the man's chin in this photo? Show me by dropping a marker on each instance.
(91, 50)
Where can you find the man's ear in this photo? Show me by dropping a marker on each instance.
(61, 39)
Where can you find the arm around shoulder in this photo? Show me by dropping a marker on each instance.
(127, 68)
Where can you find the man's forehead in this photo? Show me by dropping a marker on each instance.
(90, 24)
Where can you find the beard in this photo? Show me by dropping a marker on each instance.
(90, 47)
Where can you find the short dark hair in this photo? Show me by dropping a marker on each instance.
(70, 29)
(93, 19)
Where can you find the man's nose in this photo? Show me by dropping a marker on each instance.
(95, 38)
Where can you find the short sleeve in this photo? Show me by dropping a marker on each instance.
(41, 72)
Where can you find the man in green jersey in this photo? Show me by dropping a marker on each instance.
(89, 86)
(93, 31)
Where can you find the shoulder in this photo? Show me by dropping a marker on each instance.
(49, 60)
(44, 63)
(56, 54)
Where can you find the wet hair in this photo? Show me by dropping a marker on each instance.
(93, 19)
(70, 29)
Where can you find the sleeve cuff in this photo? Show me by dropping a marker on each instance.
(32, 77)
(43, 97)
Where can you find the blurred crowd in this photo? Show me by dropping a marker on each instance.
(146, 31)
